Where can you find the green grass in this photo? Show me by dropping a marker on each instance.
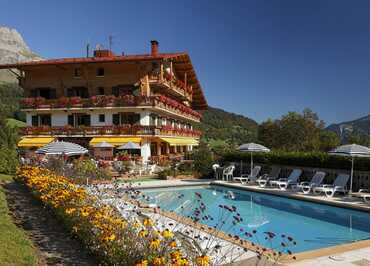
(15, 247)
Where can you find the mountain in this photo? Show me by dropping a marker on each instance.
(13, 49)
(359, 126)
(218, 124)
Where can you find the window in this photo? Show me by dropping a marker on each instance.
(79, 120)
(45, 120)
(82, 120)
(100, 72)
(126, 118)
(101, 91)
(71, 120)
(47, 93)
(82, 92)
(115, 119)
(41, 120)
(102, 118)
(77, 72)
(35, 121)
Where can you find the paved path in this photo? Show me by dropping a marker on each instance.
(52, 240)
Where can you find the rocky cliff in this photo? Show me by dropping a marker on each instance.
(13, 49)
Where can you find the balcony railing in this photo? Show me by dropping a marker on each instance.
(110, 130)
(170, 81)
(112, 101)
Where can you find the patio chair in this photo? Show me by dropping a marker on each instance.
(265, 179)
(363, 194)
(316, 181)
(251, 177)
(228, 173)
(339, 186)
(291, 181)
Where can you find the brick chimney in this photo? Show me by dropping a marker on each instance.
(154, 49)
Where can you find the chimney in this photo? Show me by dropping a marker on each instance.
(154, 47)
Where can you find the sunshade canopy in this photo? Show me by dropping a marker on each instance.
(115, 141)
(253, 147)
(103, 144)
(62, 148)
(352, 150)
(181, 141)
(34, 142)
(129, 146)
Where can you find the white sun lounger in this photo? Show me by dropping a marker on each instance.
(339, 186)
(264, 180)
(363, 194)
(316, 181)
(291, 181)
(249, 178)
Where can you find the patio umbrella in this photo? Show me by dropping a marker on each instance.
(103, 144)
(252, 147)
(129, 146)
(351, 150)
(62, 148)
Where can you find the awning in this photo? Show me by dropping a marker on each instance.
(35, 142)
(181, 141)
(115, 141)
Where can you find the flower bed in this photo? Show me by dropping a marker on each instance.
(115, 241)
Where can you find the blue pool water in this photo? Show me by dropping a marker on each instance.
(312, 225)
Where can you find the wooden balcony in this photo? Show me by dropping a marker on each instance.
(110, 101)
(173, 86)
(121, 130)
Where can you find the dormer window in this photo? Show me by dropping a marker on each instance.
(100, 72)
(77, 73)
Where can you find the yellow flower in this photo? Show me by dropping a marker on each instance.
(159, 261)
(173, 244)
(167, 233)
(75, 229)
(175, 255)
(148, 222)
(142, 263)
(143, 233)
(202, 260)
(155, 243)
(70, 210)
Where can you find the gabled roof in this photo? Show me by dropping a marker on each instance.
(181, 63)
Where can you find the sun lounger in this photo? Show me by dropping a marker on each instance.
(264, 180)
(316, 181)
(363, 194)
(249, 178)
(291, 181)
(339, 186)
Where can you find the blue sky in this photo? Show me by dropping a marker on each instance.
(257, 58)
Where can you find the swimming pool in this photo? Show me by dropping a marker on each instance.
(313, 226)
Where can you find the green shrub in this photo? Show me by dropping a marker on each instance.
(8, 161)
(203, 160)
(303, 159)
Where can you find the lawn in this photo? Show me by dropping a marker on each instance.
(15, 247)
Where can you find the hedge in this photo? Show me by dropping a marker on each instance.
(303, 159)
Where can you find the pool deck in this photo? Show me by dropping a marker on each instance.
(357, 253)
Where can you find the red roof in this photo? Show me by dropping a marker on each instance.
(181, 62)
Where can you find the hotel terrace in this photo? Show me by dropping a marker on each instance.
(151, 99)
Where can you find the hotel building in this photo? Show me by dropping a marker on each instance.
(151, 99)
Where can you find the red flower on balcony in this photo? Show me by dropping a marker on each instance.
(27, 102)
(75, 101)
(63, 102)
